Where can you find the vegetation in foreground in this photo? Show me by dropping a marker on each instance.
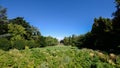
(58, 57)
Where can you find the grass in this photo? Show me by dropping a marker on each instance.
(57, 57)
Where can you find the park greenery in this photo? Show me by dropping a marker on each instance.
(18, 33)
(58, 57)
(23, 46)
(104, 35)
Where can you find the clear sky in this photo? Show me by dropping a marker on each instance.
(60, 18)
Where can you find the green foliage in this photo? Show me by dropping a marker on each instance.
(102, 25)
(3, 20)
(118, 61)
(86, 40)
(42, 41)
(71, 40)
(30, 30)
(104, 65)
(20, 21)
(17, 31)
(32, 44)
(3, 15)
(3, 28)
(103, 35)
(19, 44)
(55, 57)
(116, 24)
(79, 41)
(50, 41)
(5, 44)
(66, 41)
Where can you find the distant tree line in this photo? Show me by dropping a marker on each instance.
(18, 33)
(104, 35)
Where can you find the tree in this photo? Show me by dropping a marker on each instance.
(75, 40)
(101, 25)
(3, 28)
(30, 30)
(3, 21)
(20, 21)
(47, 41)
(34, 31)
(42, 41)
(102, 30)
(3, 15)
(100, 36)
(17, 31)
(80, 41)
(116, 19)
(66, 41)
(71, 40)
(5, 44)
(50, 41)
(116, 25)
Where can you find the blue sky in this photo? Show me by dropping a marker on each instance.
(60, 18)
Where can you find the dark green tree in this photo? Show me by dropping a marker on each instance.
(116, 25)
(3, 20)
(20, 21)
(116, 19)
(102, 33)
(3, 14)
(31, 31)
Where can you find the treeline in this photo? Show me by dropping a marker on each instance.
(18, 33)
(104, 35)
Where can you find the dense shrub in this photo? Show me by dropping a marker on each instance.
(32, 44)
(48, 41)
(19, 44)
(70, 41)
(42, 41)
(5, 44)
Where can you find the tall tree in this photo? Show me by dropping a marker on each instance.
(116, 24)
(101, 31)
(3, 20)
(17, 31)
(20, 21)
(116, 19)
(3, 14)
(101, 25)
(30, 30)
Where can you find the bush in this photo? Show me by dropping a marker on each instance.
(5, 44)
(50, 41)
(47, 41)
(42, 42)
(104, 65)
(32, 44)
(19, 44)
